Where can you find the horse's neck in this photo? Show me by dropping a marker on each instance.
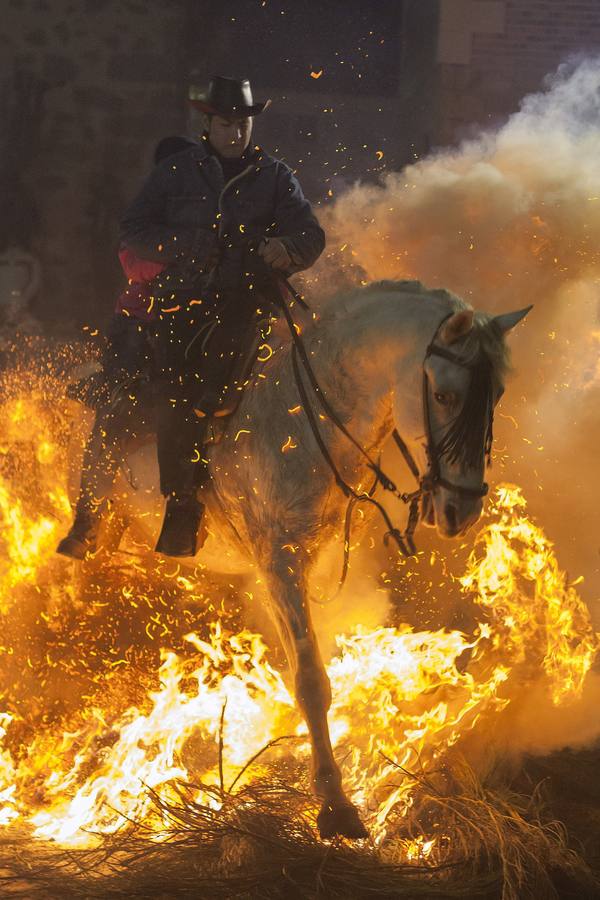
(361, 358)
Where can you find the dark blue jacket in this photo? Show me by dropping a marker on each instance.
(185, 210)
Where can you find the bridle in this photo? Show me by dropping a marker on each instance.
(433, 477)
(428, 483)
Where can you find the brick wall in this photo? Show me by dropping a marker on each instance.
(87, 87)
(493, 52)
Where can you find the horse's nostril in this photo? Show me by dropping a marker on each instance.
(451, 516)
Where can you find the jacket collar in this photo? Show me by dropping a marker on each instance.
(207, 165)
(260, 160)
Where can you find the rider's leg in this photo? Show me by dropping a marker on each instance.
(195, 378)
(119, 425)
(181, 439)
(231, 342)
(181, 434)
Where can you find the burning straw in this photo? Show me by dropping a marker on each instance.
(156, 780)
(260, 841)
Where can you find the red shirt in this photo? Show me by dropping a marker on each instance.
(137, 299)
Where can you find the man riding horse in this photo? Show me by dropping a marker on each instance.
(211, 216)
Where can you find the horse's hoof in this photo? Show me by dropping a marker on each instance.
(340, 819)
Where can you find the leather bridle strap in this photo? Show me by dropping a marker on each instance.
(432, 478)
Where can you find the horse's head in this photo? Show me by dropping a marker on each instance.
(463, 375)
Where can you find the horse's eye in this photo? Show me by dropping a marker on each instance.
(443, 399)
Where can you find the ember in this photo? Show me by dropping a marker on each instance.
(401, 698)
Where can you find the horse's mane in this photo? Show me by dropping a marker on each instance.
(484, 339)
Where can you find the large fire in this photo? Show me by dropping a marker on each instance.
(73, 768)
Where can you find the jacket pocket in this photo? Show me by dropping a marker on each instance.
(192, 211)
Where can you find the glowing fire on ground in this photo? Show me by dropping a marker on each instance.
(401, 698)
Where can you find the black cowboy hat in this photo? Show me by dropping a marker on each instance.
(229, 97)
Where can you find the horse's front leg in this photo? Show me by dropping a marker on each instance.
(290, 607)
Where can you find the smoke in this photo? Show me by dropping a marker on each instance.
(364, 600)
(510, 218)
(502, 219)
(532, 724)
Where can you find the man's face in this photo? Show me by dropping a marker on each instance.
(230, 137)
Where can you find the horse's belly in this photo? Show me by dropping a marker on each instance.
(222, 551)
(220, 556)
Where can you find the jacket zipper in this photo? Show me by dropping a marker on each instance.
(229, 184)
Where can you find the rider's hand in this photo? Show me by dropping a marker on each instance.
(274, 253)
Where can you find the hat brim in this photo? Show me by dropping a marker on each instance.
(238, 112)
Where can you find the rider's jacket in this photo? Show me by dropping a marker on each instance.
(185, 214)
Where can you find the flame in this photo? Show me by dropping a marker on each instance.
(267, 350)
(553, 620)
(148, 751)
(28, 516)
(401, 698)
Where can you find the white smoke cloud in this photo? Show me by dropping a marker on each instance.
(509, 218)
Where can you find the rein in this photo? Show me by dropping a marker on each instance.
(427, 483)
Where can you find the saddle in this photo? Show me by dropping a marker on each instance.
(227, 404)
(98, 392)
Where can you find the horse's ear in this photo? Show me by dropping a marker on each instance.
(457, 326)
(505, 322)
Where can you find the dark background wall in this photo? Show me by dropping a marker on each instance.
(87, 87)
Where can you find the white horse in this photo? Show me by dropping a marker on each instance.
(391, 355)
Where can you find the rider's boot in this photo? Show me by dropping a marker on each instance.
(83, 535)
(100, 463)
(181, 524)
(180, 481)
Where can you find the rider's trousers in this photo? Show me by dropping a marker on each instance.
(200, 353)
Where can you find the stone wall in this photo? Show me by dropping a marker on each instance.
(87, 87)
(491, 53)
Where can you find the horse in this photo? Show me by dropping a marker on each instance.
(389, 356)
